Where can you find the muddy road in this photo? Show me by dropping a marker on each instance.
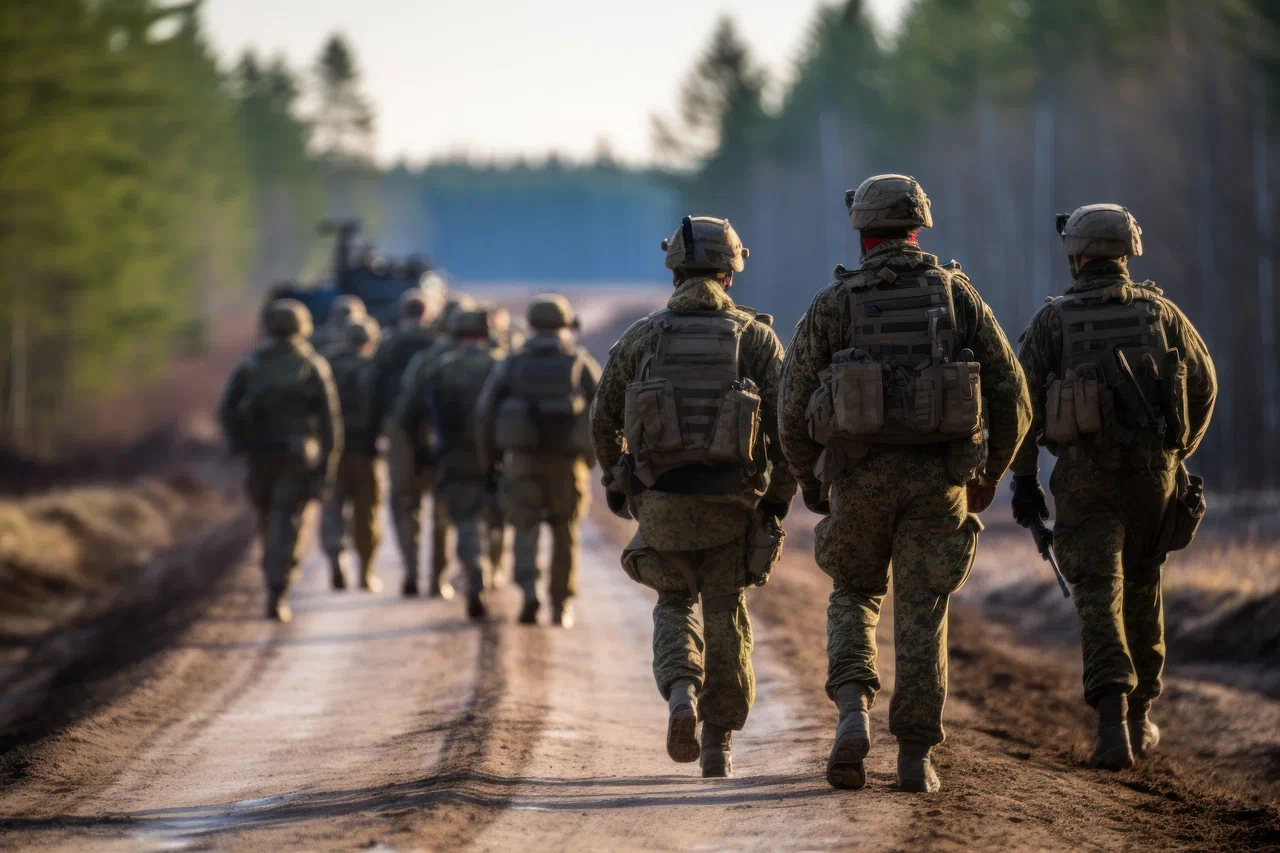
(378, 723)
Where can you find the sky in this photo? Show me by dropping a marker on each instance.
(508, 78)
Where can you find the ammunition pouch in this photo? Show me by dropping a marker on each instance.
(1182, 517)
(764, 548)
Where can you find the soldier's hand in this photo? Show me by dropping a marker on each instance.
(617, 502)
(1028, 500)
(812, 495)
(980, 492)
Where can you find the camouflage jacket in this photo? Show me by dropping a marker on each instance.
(824, 330)
(662, 515)
(440, 399)
(279, 394)
(1041, 355)
(499, 388)
(390, 366)
(350, 377)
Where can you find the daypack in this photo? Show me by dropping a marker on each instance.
(350, 376)
(900, 380)
(546, 409)
(689, 403)
(460, 377)
(275, 413)
(1121, 397)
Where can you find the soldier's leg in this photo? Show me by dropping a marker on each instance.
(366, 496)
(729, 686)
(570, 498)
(678, 646)
(291, 512)
(467, 509)
(1144, 633)
(441, 528)
(333, 522)
(406, 504)
(497, 540)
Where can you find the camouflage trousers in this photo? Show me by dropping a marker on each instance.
(470, 505)
(359, 485)
(1106, 530)
(281, 493)
(552, 491)
(896, 507)
(409, 484)
(712, 644)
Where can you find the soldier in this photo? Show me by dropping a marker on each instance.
(445, 394)
(682, 424)
(331, 337)
(1122, 389)
(897, 441)
(534, 412)
(280, 409)
(411, 473)
(359, 480)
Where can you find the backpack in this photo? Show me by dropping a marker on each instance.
(546, 409)
(275, 412)
(460, 377)
(349, 377)
(900, 380)
(1122, 394)
(689, 403)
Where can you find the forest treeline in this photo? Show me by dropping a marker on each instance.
(1009, 111)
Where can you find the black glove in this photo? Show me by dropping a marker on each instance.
(1028, 500)
(777, 509)
(812, 495)
(617, 502)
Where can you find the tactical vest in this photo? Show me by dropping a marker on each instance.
(276, 413)
(899, 380)
(460, 378)
(1121, 394)
(349, 370)
(546, 409)
(394, 356)
(690, 405)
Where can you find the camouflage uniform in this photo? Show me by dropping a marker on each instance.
(280, 409)
(412, 472)
(444, 392)
(900, 505)
(1109, 511)
(547, 482)
(706, 537)
(359, 480)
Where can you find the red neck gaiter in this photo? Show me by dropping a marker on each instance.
(869, 243)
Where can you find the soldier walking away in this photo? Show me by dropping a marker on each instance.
(1122, 389)
(359, 482)
(347, 309)
(902, 405)
(684, 426)
(411, 473)
(445, 394)
(280, 409)
(534, 413)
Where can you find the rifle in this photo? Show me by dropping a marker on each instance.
(1126, 373)
(1043, 534)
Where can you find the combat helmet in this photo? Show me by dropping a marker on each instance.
(551, 311)
(888, 201)
(705, 243)
(348, 307)
(472, 323)
(357, 336)
(1100, 231)
(286, 318)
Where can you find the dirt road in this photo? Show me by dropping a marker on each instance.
(380, 723)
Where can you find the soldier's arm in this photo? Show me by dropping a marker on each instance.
(766, 369)
(816, 338)
(1003, 383)
(590, 374)
(496, 388)
(610, 399)
(1040, 345)
(1202, 378)
(232, 395)
(329, 413)
(410, 407)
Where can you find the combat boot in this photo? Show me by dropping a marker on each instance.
(1144, 735)
(915, 769)
(277, 607)
(1112, 751)
(338, 577)
(682, 722)
(409, 589)
(369, 581)
(438, 588)
(529, 613)
(562, 615)
(853, 737)
(477, 611)
(717, 741)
